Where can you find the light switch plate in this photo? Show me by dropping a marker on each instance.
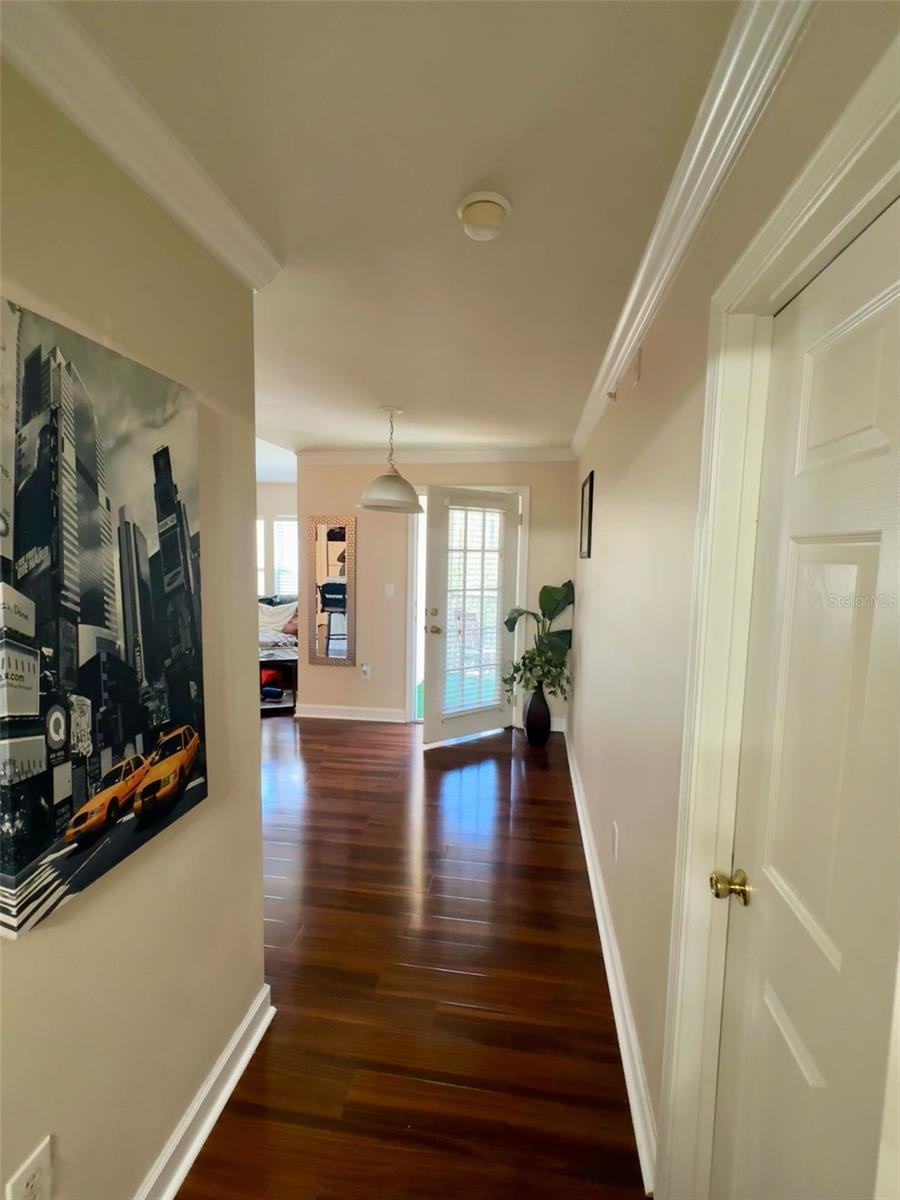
(34, 1179)
(389, 591)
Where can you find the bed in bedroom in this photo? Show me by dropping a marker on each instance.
(277, 654)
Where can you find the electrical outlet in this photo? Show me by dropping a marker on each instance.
(34, 1179)
(615, 841)
(389, 591)
(365, 670)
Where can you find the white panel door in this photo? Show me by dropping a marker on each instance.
(811, 962)
(470, 584)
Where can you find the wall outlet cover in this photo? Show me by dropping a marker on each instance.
(365, 670)
(34, 1179)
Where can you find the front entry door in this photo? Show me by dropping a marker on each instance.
(811, 961)
(470, 583)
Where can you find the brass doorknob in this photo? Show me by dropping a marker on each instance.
(738, 885)
(435, 629)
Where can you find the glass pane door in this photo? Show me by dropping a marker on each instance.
(470, 583)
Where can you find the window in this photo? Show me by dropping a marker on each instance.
(472, 678)
(286, 556)
(260, 557)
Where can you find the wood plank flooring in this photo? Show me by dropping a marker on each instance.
(444, 1025)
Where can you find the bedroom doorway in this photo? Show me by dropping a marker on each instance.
(277, 577)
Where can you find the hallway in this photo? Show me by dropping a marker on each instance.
(444, 1025)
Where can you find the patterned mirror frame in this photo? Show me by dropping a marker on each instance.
(312, 524)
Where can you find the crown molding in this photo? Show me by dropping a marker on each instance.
(759, 46)
(43, 43)
(411, 457)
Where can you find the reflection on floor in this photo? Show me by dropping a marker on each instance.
(444, 1026)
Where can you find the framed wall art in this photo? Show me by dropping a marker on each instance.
(101, 672)
(587, 517)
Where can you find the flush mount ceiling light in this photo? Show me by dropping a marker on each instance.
(483, 215)
(391, 492)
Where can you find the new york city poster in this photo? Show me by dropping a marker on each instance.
(101, 674)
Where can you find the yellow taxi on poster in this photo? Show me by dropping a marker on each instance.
(169, 769)
(117, 788)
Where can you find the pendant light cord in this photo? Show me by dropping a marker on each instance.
(391, 444)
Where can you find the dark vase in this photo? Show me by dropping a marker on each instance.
(537, 718)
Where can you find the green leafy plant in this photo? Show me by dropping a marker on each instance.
(545, 662)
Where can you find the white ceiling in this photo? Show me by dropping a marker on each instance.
(346, 133)
(275, 464)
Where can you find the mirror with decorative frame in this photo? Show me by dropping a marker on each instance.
(331, 571)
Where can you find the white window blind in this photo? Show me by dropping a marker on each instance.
(260, 557)
(286, 556)
(472, 676)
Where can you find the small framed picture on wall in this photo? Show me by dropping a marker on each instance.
(587, 515)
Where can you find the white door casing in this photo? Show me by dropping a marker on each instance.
(471, 571)
(851, 178)
(811, 962)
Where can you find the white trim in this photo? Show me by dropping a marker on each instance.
(629, 1046)
(850, 178)
(412, 554)
(462, 738)
(177, 1157)
(43, 43)
(522, 589)
(410, 457)
(347, 712)
(887, 1179)
(756, 51)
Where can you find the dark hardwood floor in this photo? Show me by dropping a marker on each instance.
(444, 1027)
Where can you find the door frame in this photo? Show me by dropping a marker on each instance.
(412, 557)
(850, 179)
(412, 550)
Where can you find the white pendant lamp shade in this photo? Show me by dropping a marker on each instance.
(391, 492)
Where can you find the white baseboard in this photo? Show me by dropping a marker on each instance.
(167, 1174)
(346, 712)
(632, 1060)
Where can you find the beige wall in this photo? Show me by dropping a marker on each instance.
(113, 1011)
(382, 558)
(274, 500)
(631, 622)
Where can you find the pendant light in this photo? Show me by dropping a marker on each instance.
(391, 492)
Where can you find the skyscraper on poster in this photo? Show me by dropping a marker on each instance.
(101, 685)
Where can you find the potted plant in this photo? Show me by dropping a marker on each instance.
(543, 666)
